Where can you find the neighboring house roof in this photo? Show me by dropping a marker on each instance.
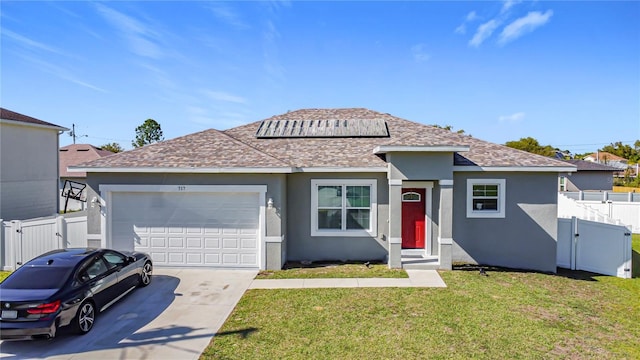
(604, 156)
(583, 165)
(77, 154)
(239, 148)
(9, 115)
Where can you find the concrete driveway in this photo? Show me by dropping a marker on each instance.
(173, 318)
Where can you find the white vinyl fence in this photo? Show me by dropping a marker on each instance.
(612, 212)
(22, 240)
(594, 246)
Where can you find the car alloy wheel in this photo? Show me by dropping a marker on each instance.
(86, 317)
(145, 276)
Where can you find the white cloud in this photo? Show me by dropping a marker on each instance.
(472, 16)
(513, 118)
(523, 25)
(226, 14)
(62, 73)
(419, 53)
(272, 65)
(224, 96)
(508, 4)
(141, 38)
(484, 31)
(462, 29)
(29, 43)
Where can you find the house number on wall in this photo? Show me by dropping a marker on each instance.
(182, 188)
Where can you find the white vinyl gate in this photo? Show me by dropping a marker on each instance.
(22, 240)
(594, 246)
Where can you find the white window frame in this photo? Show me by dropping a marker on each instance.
(563, 183)
(373, 216)
(474, 213)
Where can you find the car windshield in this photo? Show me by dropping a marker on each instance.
(38, 277)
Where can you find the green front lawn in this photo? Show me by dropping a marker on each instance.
(4, 274)
(508, 314)
(319, 270)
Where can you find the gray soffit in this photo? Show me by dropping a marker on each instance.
(320, 128)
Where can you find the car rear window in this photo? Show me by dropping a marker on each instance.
(28, 277)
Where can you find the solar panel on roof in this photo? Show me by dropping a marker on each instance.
(322, 128)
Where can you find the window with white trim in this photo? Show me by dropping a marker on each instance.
(342, 207)
(486, 198)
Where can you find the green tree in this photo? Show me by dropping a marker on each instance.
(114, 147)
(147, 133)
(448, 127)
(532, 145)
(625, 151)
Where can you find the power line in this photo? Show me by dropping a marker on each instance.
(109, 139)
(603, 143)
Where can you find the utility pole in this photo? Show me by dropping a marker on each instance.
(72, 133)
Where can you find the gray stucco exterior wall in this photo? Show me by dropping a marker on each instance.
(526, 238)
(28, 172)
(420, 165)
(589, 180)
(302, 246)
(274, 222)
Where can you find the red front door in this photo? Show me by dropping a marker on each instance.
(413, 214)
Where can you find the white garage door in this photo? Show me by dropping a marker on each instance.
(188, 229)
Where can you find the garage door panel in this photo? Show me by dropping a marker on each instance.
(248, 259)
(230, 259)
(212, 259)
(158, 257)
(195, 259)
(194, 243)
(189, 229)
(212, 244)
(176, 258)
(228, 243)
(158, 242)
(248, 244)
(177, 243)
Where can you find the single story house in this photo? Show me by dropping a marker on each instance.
(327, 184)
(71, 155)
(28, 166)
(590, 176)
(606, 158)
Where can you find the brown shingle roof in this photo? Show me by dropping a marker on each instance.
(77, 154)
(6, 114)
(584, 165)
(203, 150)
(239, 147)
(603, 155)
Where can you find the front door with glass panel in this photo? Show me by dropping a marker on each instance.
(413, 218)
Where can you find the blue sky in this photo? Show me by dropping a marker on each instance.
(565, 73)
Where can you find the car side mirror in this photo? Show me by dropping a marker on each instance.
(131, 259)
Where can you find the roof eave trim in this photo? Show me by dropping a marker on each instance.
(378, 169)
(220, 170)
(383, 149)
(24, 123)
(559, 169)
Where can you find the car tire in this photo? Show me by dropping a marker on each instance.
(85, 318)
(145, 274)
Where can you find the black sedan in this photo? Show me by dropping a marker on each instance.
(67, 287)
